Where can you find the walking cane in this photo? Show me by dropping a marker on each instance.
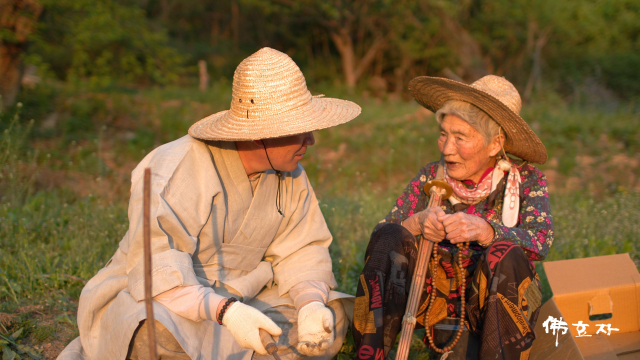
(439, 190)
(146, 233)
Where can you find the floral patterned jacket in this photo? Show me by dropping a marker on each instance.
(533, 232)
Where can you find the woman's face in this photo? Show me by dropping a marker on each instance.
(465, 154)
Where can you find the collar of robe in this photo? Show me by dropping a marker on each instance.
(243, 206)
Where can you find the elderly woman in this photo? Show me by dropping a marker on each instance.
(499, 210)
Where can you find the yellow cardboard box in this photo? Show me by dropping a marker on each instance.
(594, 291)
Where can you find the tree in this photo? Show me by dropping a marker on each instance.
(358, 29)
(18, 20)
(418, 44)
(104, 42)
(348, 23)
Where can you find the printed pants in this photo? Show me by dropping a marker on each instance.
(502, 291)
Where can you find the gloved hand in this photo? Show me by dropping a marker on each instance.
(244, 321)
(315, 329)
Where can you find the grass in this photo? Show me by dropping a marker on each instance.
(64, 186)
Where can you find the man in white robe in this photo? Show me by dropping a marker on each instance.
(233, 216)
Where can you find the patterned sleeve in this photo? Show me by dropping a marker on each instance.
(413, 199)
(534, 232)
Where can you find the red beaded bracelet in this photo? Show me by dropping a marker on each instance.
(226, 305)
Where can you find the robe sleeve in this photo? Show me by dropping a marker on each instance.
(183, 185)
(534, 231)
(300, 251)
(194, 302)
(309, 291)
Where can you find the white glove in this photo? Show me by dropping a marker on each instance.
(315, 329)
(244, 321)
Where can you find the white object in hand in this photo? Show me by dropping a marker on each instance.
(244, 322)
(315, 329)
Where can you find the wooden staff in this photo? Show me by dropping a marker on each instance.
(146, 232)
(438, 191)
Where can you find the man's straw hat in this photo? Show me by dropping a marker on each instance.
(270, 99)
(492, 94)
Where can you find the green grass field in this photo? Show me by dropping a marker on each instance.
(64, 185)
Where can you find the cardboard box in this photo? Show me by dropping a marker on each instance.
(603, 287)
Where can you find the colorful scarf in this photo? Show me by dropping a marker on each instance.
(472, 196)
(486, 185)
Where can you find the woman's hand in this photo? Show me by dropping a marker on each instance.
(426, 223)
(461, 227)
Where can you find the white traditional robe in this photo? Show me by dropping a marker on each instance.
(207, 228)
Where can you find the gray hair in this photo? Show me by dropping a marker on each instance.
(478, 119)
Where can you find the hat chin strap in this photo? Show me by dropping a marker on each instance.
(279, 175)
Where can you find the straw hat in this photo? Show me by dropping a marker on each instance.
(492, 94)
(270, 99)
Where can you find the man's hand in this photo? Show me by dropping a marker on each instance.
(244, 322)
(461, 227)
(427, 224)
(315, 329)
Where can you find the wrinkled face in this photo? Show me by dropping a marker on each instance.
(465, 155)
(286, 152)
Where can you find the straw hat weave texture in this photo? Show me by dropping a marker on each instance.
(270, 99)
(495, 96)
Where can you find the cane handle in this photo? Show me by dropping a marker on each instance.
(441, 187)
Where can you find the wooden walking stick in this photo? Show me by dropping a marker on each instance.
(146, 233)
(438, 190)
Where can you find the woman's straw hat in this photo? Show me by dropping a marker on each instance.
(270, 99)
(492, 94)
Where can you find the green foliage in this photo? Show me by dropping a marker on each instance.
(39, 231)
(17, 164)
(572, 131)
(42, 333)
(13, 349)
(91, 43)
(620, 73)
(104, 43)
(598, 39)
(579, 234)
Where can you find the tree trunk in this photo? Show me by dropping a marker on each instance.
(399, 73)
(204, 75)
(215, 28)
(10, 72)
(536, 70)
(17, 18)
(473, 64)
(235, 27)
(352, 68)
(343, 42)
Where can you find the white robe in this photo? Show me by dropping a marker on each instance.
(207, 228)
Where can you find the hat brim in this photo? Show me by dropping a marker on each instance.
(317, 114)
(433, 93)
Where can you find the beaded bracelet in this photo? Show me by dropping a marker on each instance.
(226, 305)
